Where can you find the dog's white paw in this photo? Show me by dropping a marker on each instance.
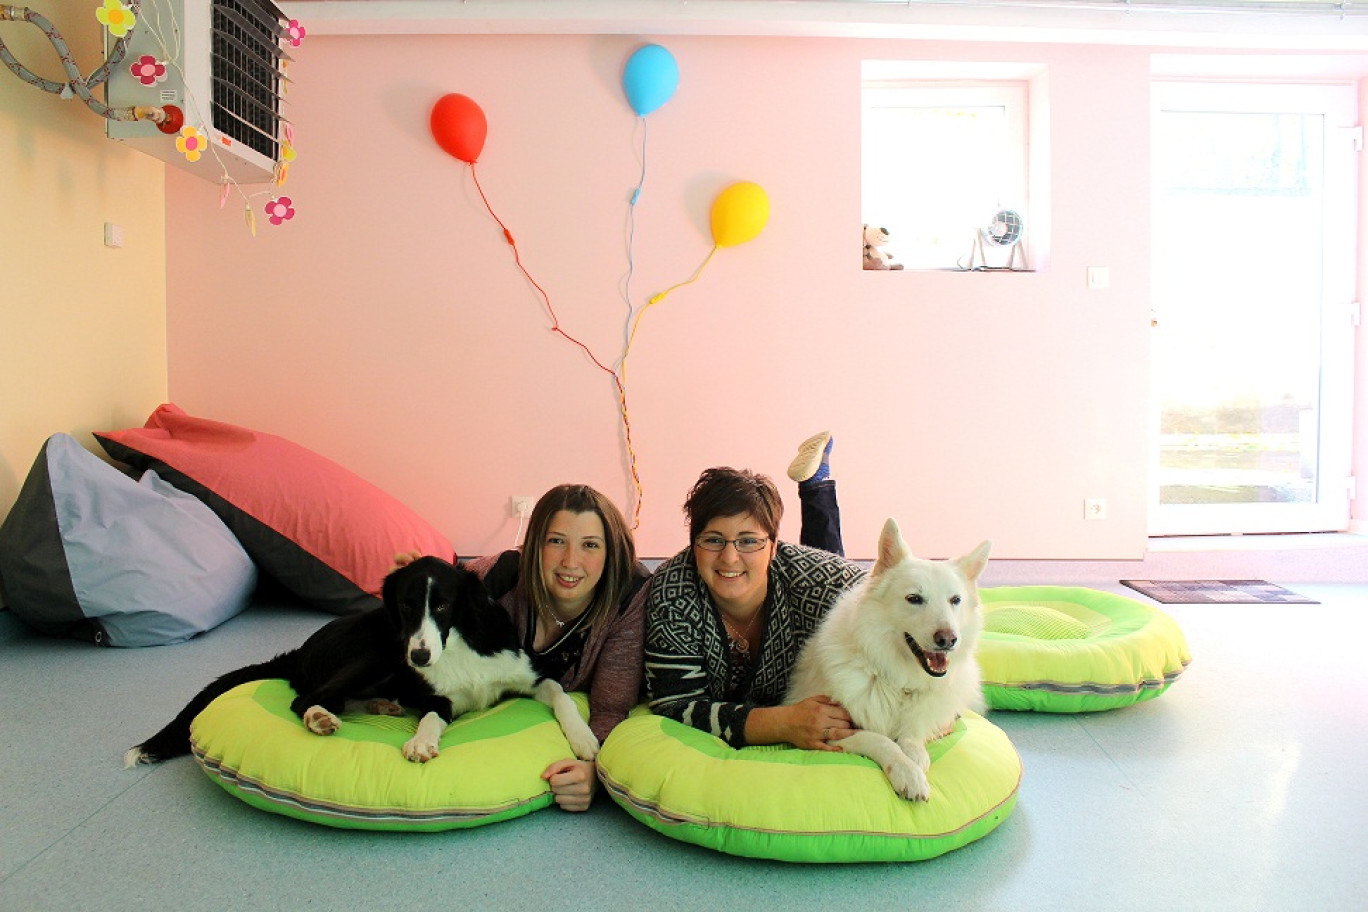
(321, 722)
(908, 780)
(584, 744)
(420, 748)
(915, 749)
(382, 707)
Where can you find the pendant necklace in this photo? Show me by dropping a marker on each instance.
(739, 641)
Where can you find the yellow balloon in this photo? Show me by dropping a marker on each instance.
(739, 214)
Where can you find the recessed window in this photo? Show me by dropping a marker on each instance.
(946, 164)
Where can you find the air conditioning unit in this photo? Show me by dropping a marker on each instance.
(224, 70)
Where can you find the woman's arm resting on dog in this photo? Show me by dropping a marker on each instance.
(808, 724)
(573, 783)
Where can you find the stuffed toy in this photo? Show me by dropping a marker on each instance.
(875, 258)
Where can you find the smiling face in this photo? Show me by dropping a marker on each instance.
(573, 553)
(737, 581)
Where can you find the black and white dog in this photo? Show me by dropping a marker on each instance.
(438, 644)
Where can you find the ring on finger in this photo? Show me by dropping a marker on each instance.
(826, 734)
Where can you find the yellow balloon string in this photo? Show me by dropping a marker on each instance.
(657, 298)
(622, 380)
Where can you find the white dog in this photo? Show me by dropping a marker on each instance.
(897, 652)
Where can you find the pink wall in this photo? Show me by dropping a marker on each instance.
(387, 327)
(1359, 506)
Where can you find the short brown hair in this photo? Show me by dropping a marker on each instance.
(724, 491)
(619, 549)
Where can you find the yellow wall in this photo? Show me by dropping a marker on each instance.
(82, 326)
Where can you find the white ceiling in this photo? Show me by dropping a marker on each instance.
(1289, 24)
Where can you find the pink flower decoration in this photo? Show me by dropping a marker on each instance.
(148, 70)
(294, 32)
(280, 210)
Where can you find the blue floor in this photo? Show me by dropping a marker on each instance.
(1245, 787)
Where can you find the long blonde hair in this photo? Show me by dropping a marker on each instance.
(619, 548)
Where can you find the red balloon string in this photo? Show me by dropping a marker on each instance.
(556, 328)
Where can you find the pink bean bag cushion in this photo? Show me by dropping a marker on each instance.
(325, 534)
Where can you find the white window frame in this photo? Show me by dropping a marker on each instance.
(1330, 512)
(910, 84)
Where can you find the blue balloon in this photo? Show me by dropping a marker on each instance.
(650, 78)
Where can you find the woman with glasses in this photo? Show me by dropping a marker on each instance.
(727, 616)
(576, 593)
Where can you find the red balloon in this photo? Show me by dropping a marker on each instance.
(459, 126)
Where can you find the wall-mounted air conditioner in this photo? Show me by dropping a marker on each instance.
(224, 70)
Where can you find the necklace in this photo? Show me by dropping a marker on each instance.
(739, 640)
(555, 616)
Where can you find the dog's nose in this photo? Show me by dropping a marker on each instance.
(420, 657)
(946, 640)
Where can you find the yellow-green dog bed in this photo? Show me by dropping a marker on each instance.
(489, 768)
(1070, 649)
(782, 803)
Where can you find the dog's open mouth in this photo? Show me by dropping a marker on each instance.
(936, 664)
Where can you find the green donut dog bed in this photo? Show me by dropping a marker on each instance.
(1069, 649)
(781, 803)
(489, 769)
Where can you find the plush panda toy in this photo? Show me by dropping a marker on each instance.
(874, 257)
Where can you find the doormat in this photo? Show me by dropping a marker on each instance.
(1206, 592)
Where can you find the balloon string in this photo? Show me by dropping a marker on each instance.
(556, 328)
(656, 299)
(631, 245)
(546, 299)
(622, 371)
(621, 376)
(631, 450)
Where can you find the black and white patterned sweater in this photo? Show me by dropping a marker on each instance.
(687, 650)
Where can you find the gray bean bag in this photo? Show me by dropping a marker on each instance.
(89, 552)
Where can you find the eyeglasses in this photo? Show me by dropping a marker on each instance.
(746, 544)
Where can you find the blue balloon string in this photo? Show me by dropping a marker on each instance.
(631, 244)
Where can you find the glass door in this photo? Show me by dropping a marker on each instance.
(1253, 280)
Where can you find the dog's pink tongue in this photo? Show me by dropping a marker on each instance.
(938, 662)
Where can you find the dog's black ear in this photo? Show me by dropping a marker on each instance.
(389, 588)
(484, 624)
(503, 576)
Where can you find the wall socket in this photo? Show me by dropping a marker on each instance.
(1095, 508)
(521, 506)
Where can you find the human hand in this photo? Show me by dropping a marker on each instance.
(818, 722)
(404, 559)
(573, 783)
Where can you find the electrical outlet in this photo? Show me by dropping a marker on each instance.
(521, 506)
(1095, 508)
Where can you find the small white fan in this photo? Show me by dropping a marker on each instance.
(1005, 230)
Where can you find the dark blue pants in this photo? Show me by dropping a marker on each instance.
(821, 516)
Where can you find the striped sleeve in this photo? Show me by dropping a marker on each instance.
(679, 664)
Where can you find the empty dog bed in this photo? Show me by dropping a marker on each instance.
(489, 769)
(782, 803)
(1070, 649)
